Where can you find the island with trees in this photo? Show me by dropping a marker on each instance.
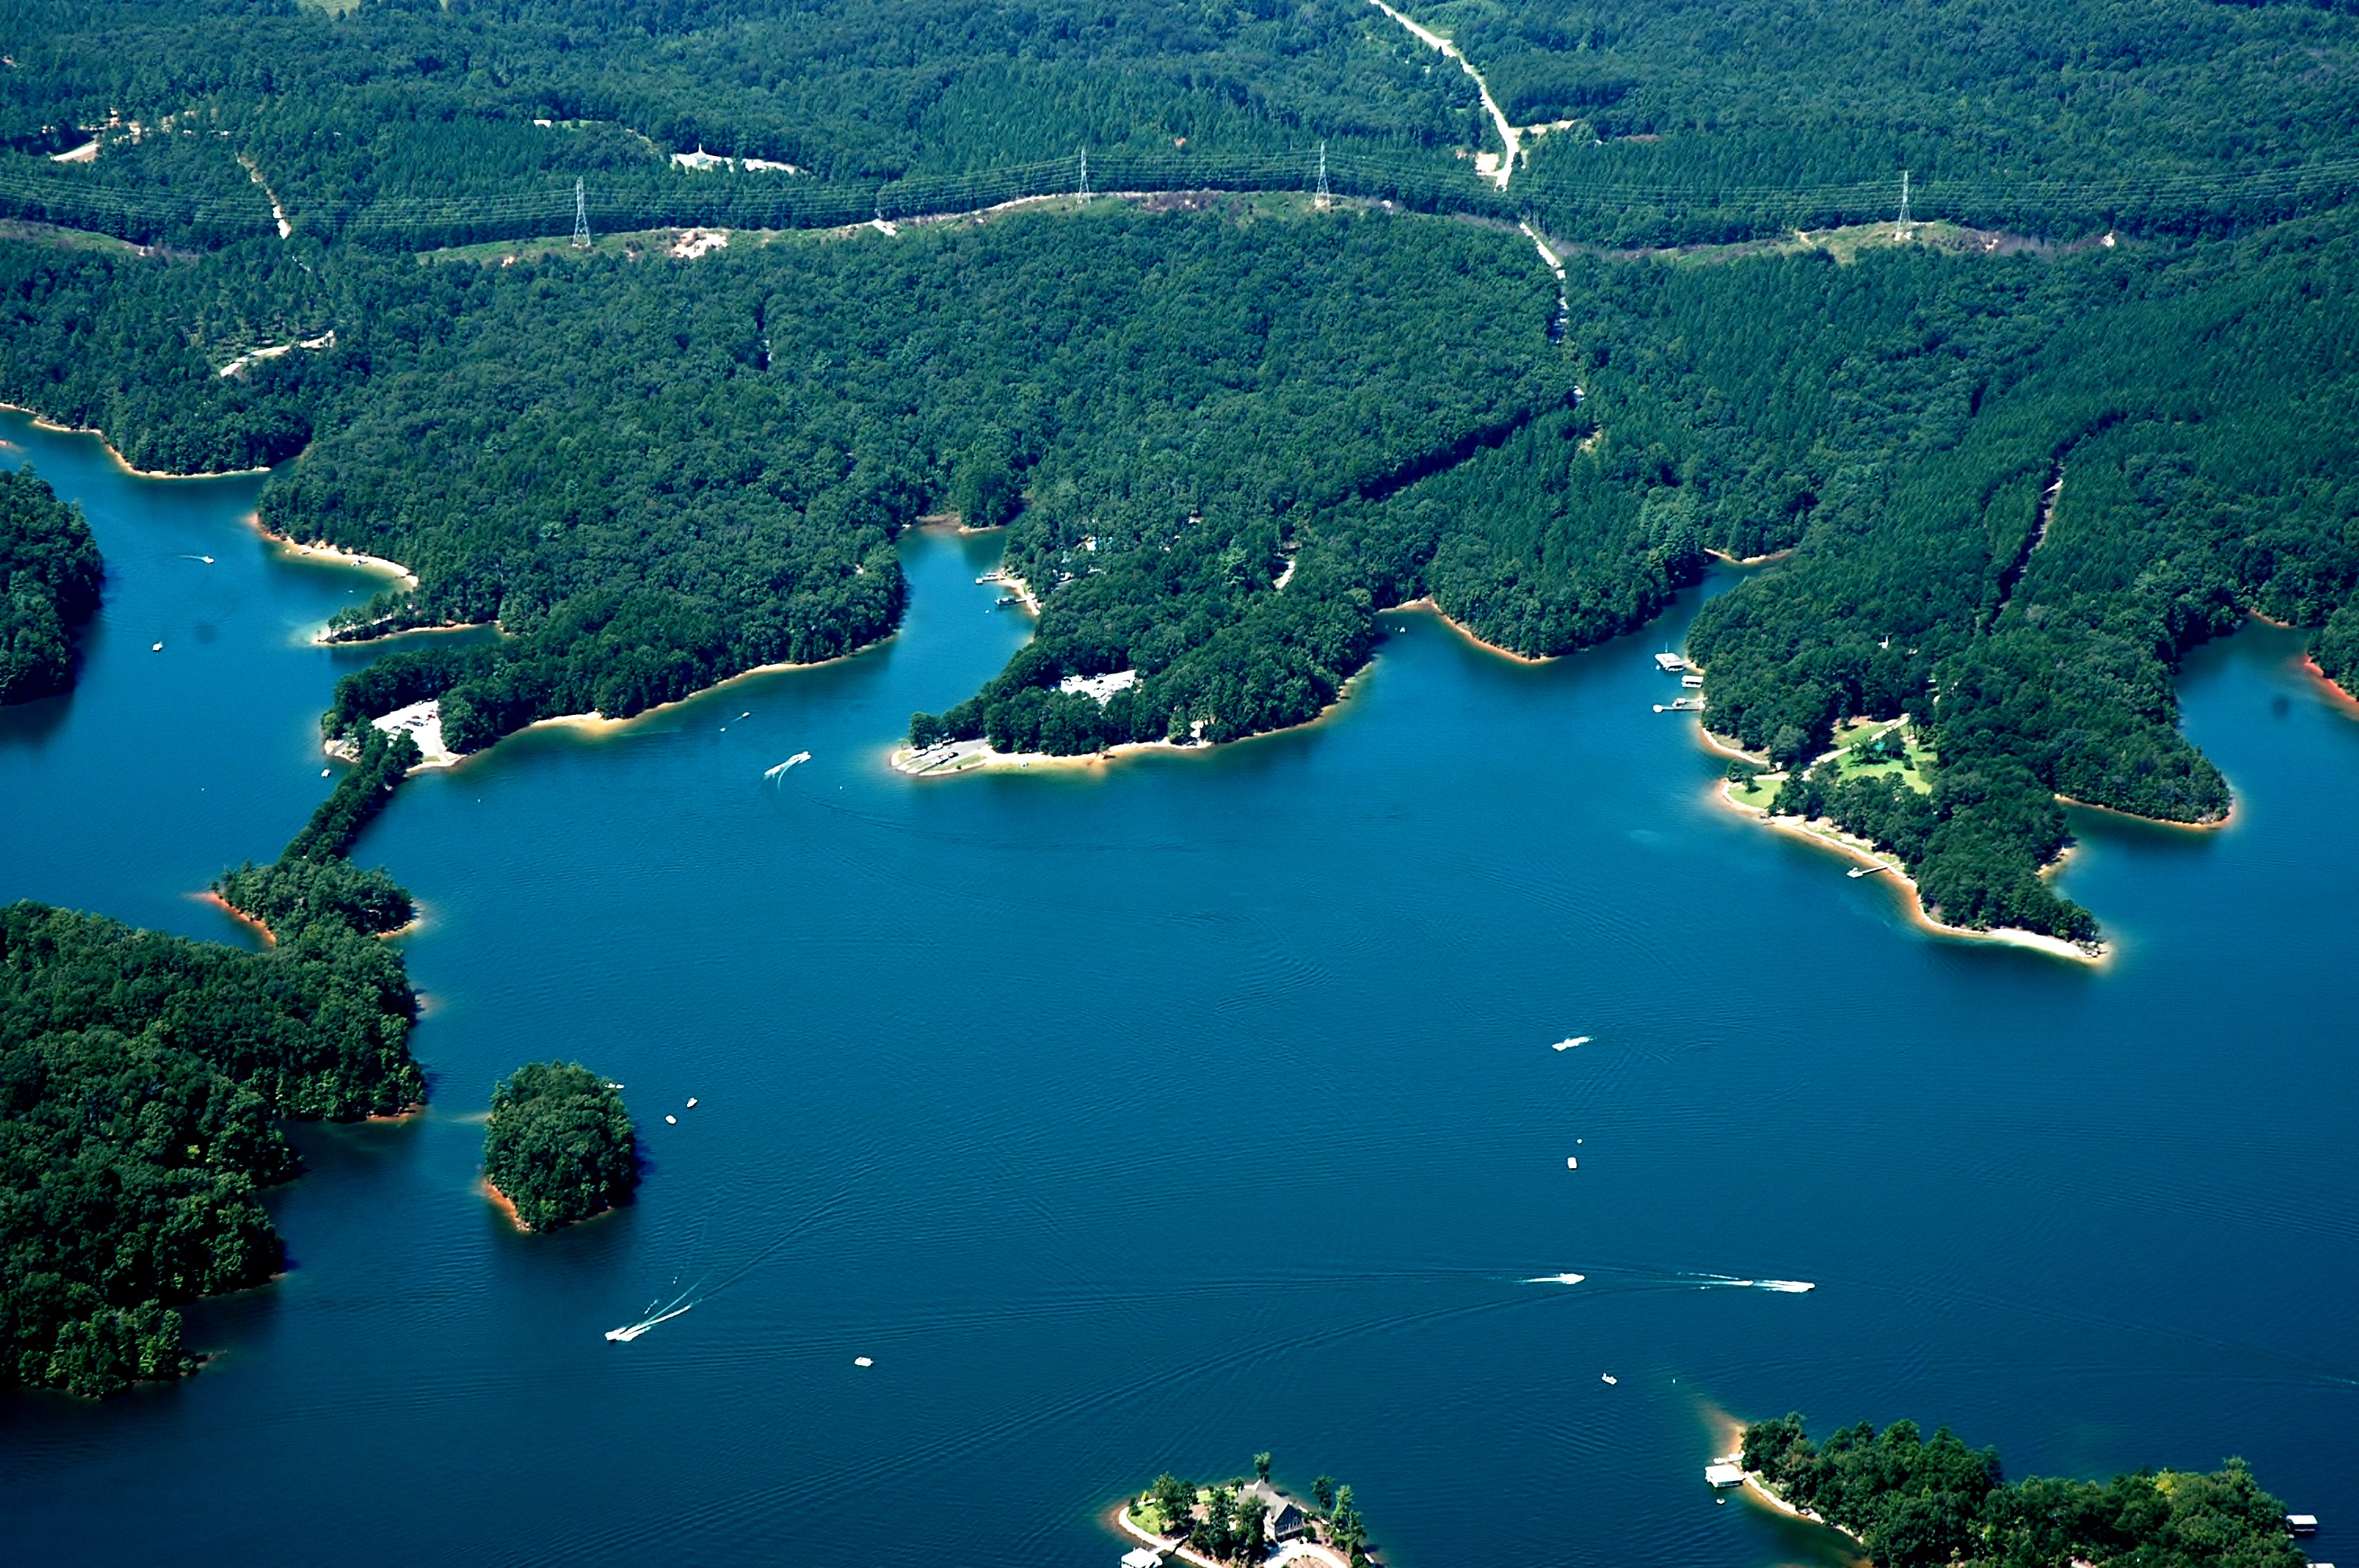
(559, 1147)
(1246, 1521)
(49, 576)
(1917, 1502)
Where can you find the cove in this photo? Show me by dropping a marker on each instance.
(1146, 1118)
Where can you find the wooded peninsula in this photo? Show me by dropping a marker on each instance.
(1917, 1502)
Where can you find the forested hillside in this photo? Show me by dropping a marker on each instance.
(413, 122)
(2020, 477)
(49, 575)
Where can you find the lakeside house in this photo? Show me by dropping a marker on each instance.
(1284, 1520)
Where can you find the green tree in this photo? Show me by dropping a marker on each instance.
(559, 1145)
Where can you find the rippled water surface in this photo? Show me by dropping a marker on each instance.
(1144, 1118)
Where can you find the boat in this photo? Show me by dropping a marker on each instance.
(781, 769)
(632, 1331)
(1609, 1377)
(1568, 1044)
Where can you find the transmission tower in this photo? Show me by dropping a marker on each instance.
(1084, 190)
(1325, 197)
(1904, 204)
(580, 218)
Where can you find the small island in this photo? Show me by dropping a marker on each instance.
(1244, 1520)
(1913, 1502)
(559, 1146)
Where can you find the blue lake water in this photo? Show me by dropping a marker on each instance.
(1143, 1118)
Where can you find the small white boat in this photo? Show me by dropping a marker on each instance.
(799, 757)
(632, 1331)
(156, 649)
(1609, 1377)
(1568, 1044)
(671, 1121)
(691, 1102)
(1572, 1161)
(862, 1361)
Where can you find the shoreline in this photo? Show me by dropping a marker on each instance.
(2225, 821)
(1008, 579)
(1758, 1490)
(1859, 851)
(43, 422)
(502, 1202)
(1175, 1548)
(2345, 700)
(327, 552)
(269, 938)
(598, 724)
(1424, 604)
(1726, 559)
(991, 760)
(321, 639)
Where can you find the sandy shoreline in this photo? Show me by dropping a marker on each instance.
(2227, 821)
(985, 759)
(1424, 605)
(270, 939)
(2342, 698)
(43, 422)
(1859, 851)
(1722, 556)
(501, 1201)
(327, 552)
(1761, 1494)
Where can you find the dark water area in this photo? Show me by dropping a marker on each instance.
(1140, 1118)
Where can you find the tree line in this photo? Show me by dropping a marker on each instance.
(1918, 1502)
(407, 125)
(50, 577)
(559, 1146)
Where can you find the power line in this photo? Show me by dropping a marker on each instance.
(581, 216)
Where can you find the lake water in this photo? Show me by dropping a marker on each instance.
(1142, 1119)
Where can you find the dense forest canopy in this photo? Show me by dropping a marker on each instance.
(559, 1145)
(49, 573)
(1918, 1502)
(142, 1078)
(2018, 477)
(416, 122)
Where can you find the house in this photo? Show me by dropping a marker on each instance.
(1669, 664)
(1281, 1517)
(1723, 1474)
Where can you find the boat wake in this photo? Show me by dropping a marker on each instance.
(631, 1331)
(1616, 1278)
(774, 774)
